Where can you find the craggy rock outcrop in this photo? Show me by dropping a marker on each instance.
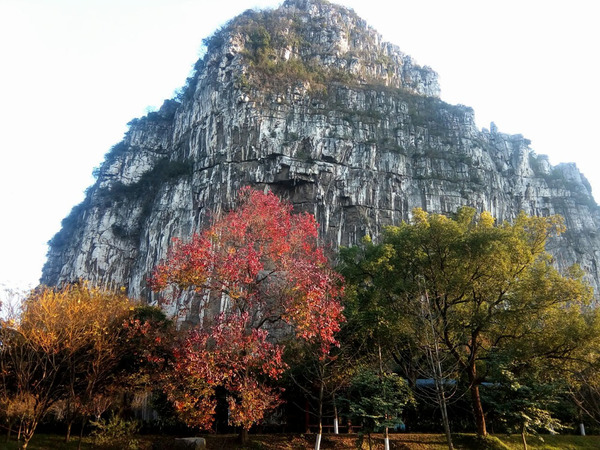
(307, 101)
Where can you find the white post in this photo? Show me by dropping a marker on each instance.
(582, 429)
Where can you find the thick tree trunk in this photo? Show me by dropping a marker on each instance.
(478, 411)
(474, 388)
(243, 436)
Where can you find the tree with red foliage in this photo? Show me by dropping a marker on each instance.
(265, 266)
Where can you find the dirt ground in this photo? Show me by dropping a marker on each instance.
(329, 441)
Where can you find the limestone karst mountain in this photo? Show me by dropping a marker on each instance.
(308, 101)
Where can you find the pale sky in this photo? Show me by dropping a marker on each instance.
(74, 72)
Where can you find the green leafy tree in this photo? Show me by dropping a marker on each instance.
(376, 400)
(487, 287)
(321, 378)
(525, 405)
(584, 391)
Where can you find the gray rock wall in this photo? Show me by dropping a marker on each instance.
(328, 116)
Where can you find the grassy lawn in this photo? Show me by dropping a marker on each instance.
(558, 442)
(403, 441)
(44, 441)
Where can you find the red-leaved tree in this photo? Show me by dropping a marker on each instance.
(264, 265)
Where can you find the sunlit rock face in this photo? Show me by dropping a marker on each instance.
(309, 102)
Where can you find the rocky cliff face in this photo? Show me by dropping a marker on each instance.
(307, 101)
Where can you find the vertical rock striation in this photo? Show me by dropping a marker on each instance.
(309, 102)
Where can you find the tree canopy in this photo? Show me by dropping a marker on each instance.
(263, 267)
(485, 289)
(65, 348)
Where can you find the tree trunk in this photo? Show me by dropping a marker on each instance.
(28, 434)
(318, 441)
(471, 370)
(387, 439)
(476, 398)
(446, 424)
(68, 435)
(523, 437)
(320, 435)
(83, 422)
(9, 430)
(580, 417)
(336, 429)
(307, 416)
(478, 411)
(440, 389)
(243, 436)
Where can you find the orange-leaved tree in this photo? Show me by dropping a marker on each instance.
(263, 266)
(63, 349)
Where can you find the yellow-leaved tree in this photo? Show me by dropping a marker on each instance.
(64, 349)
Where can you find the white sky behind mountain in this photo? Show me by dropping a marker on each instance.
(74, 72)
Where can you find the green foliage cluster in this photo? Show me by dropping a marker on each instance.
(481, 301)
(524, 404)
(164, 170)
(115, 152)
(376, 400)
(115, 433)
(431, 112)
(144, 190)
(68, 225)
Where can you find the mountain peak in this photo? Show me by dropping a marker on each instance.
(315, 39)
(309, 102)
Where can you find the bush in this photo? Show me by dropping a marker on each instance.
(115, 433)
(479, 442)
